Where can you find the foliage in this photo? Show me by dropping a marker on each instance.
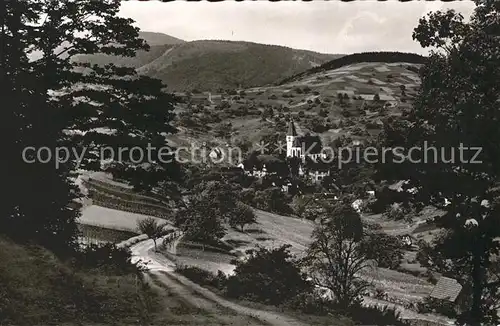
(432, 305)
(373, 315)
(385, 249)
(203, 277)
(395, 212)
(457, 108)
(222, 195)
(336, 255)
(272, 200)
(152, 228)
(267, 275)
(106, 257)
(241, 216)
(201, 221)
(135, 110)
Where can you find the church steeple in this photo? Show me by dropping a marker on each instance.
(291, 129)
(291, 136)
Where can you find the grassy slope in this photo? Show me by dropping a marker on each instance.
(358, 80)
(36, 288)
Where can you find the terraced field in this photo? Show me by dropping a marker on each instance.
(312, 100)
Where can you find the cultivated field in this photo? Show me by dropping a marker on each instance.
(112, 218)
(312, 100)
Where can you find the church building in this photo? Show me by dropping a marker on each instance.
(295, 147)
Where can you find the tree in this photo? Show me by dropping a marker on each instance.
(300, 204)
(222, 195)
(272, 200)
(336, 257)
(268, 275)
(385, 249)
(200, 221)
(457, 108)
(52, 95)
(152, 228)
(376, 98)
(241, 216)
(340, 97)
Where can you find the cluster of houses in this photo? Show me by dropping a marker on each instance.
(295, 149)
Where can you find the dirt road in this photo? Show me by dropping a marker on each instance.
(161, 272)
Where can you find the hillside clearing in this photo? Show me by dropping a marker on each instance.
(112, 219)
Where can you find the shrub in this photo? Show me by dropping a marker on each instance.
(374, 316)
(203, 277)
(385, 249)
(345, 113)
(432, 305)
(267, 276)
(308, 303)
(395, 212)
(106, 257)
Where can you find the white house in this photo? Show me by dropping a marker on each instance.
(294, 148)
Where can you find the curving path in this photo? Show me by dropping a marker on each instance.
(161, 269)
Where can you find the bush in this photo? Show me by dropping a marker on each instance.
(203, 277)
(267, 276)
(385, 249)
(308, 303)
(107, 257)
(373, 316)
(432, 305)
(345, 113)
(395, 212)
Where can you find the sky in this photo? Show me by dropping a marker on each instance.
(321, 26)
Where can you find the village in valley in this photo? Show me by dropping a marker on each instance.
(290, 194)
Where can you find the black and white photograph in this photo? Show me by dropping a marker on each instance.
(277, 163)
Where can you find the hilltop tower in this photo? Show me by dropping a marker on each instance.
(291, 141)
